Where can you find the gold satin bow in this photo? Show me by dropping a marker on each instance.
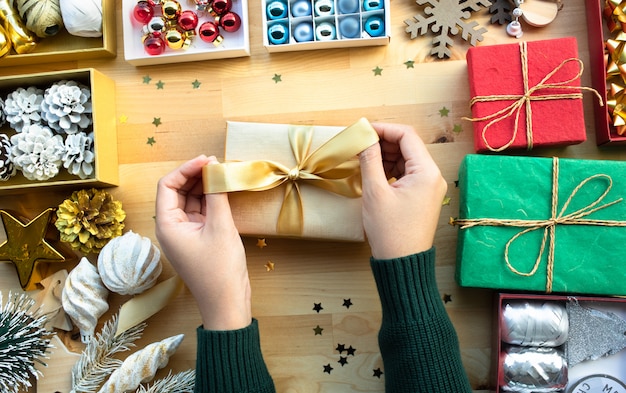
(330, 167)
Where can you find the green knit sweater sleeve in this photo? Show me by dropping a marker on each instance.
(418, 344)
(231, 361)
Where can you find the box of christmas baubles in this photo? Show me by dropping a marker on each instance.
(174, 31)
(290, 25)
(58, 130)
(558, 343)
(35, 32)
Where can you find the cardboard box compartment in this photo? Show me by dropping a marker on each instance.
(606, 374)
(597, 33)
(236, 44)
(102, 88)
(336, 19)
(67, 47)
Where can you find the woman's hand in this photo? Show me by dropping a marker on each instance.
(198, 236)
(400, 218)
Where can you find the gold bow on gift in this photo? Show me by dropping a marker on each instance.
(330, 167)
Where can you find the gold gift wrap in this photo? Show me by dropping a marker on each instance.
(293, 181)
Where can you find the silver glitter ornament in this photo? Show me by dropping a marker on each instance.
(534, 323)
(593, 333)
(534, 369)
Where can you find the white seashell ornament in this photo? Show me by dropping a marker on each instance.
(84, 298)
(129, 264)
(141, 366)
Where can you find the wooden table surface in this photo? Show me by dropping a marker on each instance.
(327, 87)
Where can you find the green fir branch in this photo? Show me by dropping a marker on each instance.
(97, 362)
(24, 340)
(182, 382)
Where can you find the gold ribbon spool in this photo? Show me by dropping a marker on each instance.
(524, 100)
(330, 167)
(549, 225)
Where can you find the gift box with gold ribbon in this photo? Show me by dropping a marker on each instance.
(293, 180)
(526, 95)
(542, 224)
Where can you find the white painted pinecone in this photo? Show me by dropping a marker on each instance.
(66, 107)
(84, 298)
(22, 107)
(37, 152)
(129, 264)
(141, 366)
(79, 154)
(7, 169)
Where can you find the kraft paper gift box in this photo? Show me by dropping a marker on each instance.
(517, 232)
(258, 146)
(554, 108)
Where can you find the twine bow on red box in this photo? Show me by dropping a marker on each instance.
(561, 91)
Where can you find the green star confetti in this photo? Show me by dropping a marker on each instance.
(443, 112)
(159, 85)
(318, 330)
(196, 84)
(151, 141)
(277, 78)
(457, 129)
(156, 121)
(409, 64)
(147, 79)
(377, 71)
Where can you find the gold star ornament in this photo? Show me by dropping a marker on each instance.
(26, 245)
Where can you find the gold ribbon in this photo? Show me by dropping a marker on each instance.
(524, 100)
(330, 167)
(549, 225)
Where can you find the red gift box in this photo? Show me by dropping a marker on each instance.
(551, 98)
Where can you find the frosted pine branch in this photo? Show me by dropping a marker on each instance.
(97, 361)
(183, 382)
(24, 340)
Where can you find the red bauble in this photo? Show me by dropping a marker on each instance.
(208, 32)
(230, 22)
(143, 12)
(154, 45)
(220, 7)
(188, 20)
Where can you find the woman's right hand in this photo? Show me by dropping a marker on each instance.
(400, 218)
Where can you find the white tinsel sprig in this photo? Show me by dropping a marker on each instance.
(24, 340)
(97, 362)
(182, 382)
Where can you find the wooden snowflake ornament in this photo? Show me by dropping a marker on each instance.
(447, 18)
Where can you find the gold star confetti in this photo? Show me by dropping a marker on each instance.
(123, 119)
(261, 243)
(26, 245)
(446, 201)
(269, 266)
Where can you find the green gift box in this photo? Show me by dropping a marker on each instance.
(542, 224)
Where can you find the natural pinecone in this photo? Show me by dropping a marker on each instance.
(89, 219)
(66, 107)
(22, 107)
(79, 155)
(37, 152)
(7, 169)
